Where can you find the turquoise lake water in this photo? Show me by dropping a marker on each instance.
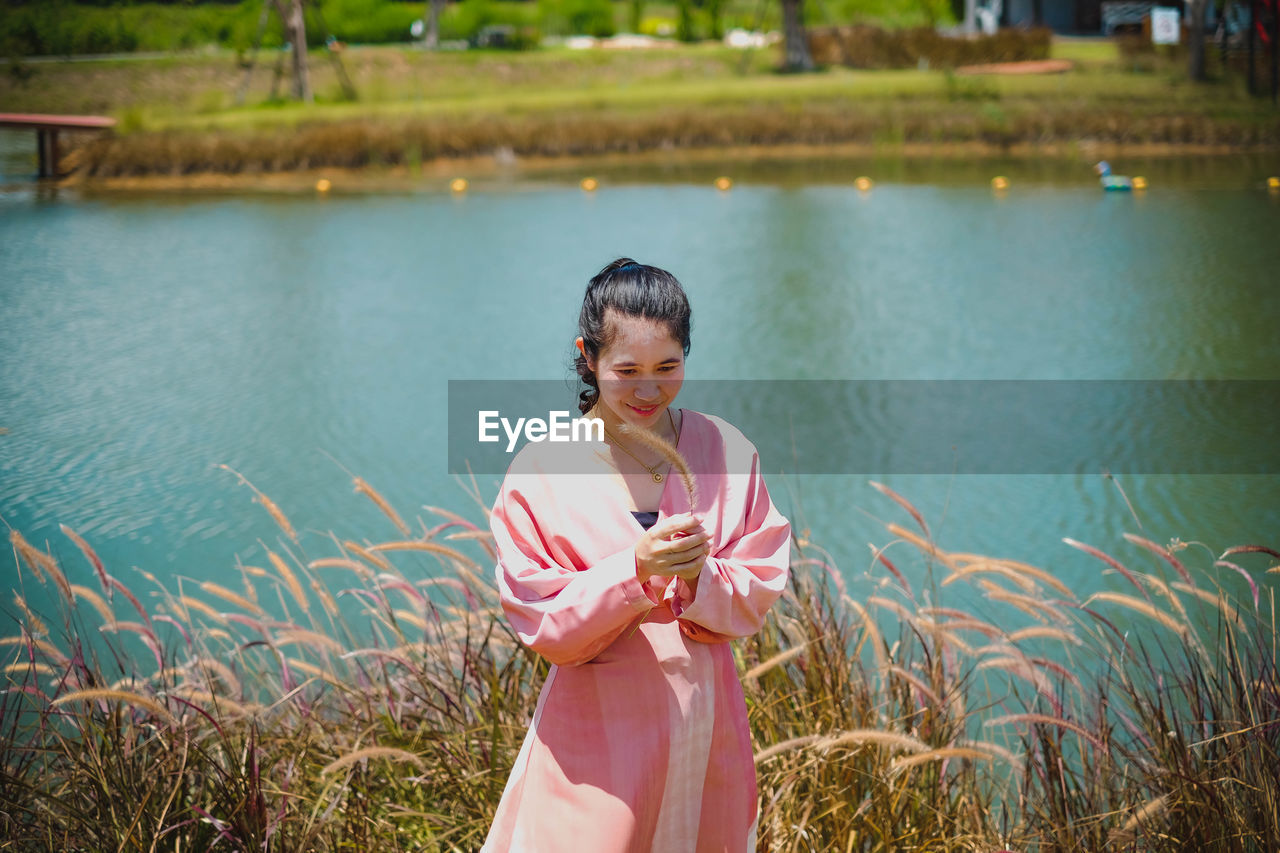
(146, 339)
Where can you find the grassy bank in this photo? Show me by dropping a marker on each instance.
(364, 693)
(179, 117)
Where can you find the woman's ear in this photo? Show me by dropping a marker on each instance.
(582, 348)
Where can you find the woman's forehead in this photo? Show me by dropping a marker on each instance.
(637, 335)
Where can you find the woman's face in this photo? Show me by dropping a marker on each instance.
(640, 372)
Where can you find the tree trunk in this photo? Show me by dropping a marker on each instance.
(795, 39)
(432, 40)
(296, 26)
(970, 16)
(1196, 10)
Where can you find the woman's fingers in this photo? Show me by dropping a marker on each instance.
(686, 545)
(685, 523)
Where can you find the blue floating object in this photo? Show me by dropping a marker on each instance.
(1110, 182)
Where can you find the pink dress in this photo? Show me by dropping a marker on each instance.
(639, 741)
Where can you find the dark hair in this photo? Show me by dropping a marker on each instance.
(635, 290)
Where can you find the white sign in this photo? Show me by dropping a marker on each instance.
(1165, 27)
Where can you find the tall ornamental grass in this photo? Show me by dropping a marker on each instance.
(367, 695)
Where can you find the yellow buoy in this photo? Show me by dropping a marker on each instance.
(458, 185)
(863, 183)
(1273, 184)
(723, 183)
(590, 184)
(1139, 182)
(323, 185)
(1000, 182)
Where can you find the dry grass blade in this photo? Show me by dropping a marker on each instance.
(83, 593)
(367, 555)
(290, 580)
(385, 752)
(1151, 808)
(775, 661)
(231, 597)
(43, 646)
(1251, 549)
(33, 667)
(1140, 606)
(852, 737)
(1044, 632)
(667, 451)
(991, 567)
(873, 632)
(1109, 560)
(940, 754)
(135, 699)
(196, 604)
(430, 547)
(363, 488)
(915, 681)
(1164, 554)
(1216, 599)
(269, 505)
(342, 563)
(451, 516)
(1253, 585)
(34, 625)
(1047, 720)
(42, 563)
(904, 503)
(309, 638)
(925, 546)
(90, 555)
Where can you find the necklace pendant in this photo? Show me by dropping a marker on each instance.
(657, 478)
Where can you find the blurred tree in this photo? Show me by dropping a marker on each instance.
(432, 38)
(295, 30)
(1196, 14)
(795, 39)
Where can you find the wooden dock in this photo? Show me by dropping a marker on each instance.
(47, 128)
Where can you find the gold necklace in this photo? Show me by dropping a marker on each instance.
(653, 471)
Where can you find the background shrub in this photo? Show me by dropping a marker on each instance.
(873, 47)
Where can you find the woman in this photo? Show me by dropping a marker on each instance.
(640, 740)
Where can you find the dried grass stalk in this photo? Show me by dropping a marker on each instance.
(386, 752)
(34, 625)
(904, 503)
(363, 488)
(667, 451)
(1047, 720)
(41, 564)
(430, 547)
(1143, 607)
(367, 555)
(290, 580)
(777, 660)
(269, 505)
(129, 698)
(940, 754)
(232, 597)
(1129, 832)
(96, 601)
(90, 555)
(196, 604)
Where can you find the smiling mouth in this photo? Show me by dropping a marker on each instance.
(643, 410)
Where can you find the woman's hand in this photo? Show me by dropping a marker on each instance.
(676, 546)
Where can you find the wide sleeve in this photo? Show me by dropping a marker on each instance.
(748, 570)
(567, 614)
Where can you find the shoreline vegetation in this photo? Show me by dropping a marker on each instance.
(367, 694)
(420, 114)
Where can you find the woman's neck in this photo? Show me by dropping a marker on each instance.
(667, 427)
